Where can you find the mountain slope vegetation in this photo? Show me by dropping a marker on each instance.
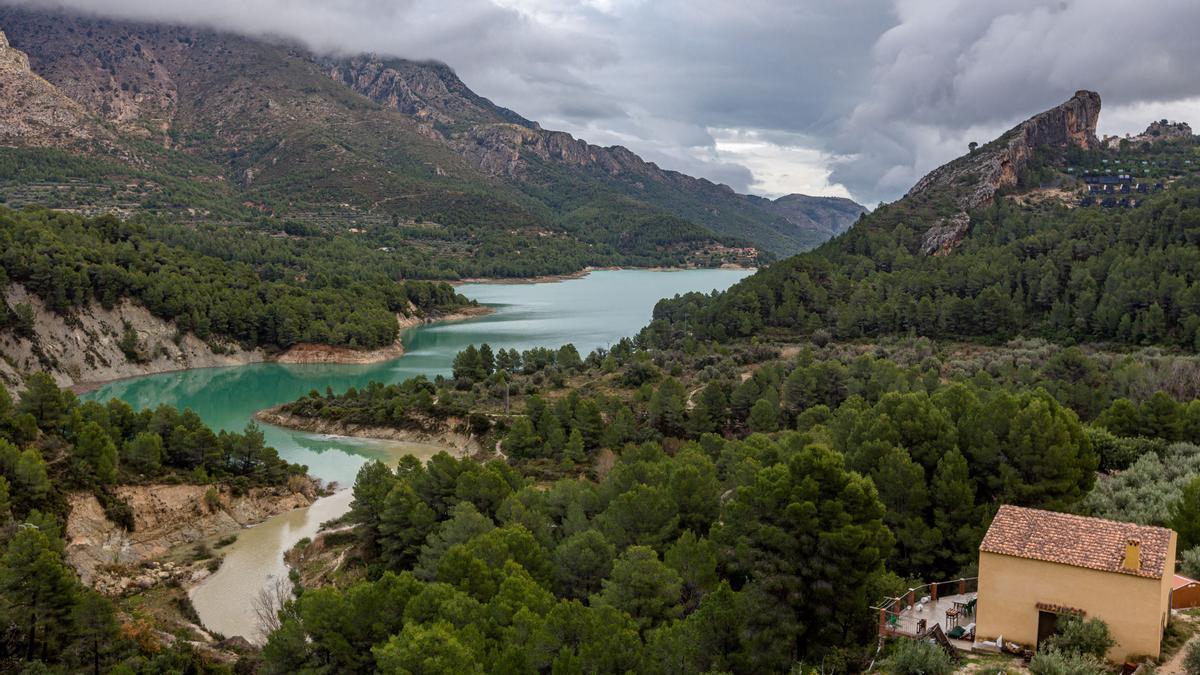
(1044, 258)
(273, 131)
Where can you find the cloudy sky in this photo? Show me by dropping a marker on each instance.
(840, 97)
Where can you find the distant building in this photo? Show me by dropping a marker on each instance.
(1036, 567)
(1185, 593)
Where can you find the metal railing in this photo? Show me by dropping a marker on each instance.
(891, 609)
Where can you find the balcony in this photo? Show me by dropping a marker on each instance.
(950, 605)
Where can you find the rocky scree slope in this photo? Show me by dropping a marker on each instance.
(32, 111)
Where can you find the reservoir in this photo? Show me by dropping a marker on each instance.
(590, 312)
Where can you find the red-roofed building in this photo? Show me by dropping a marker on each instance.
(1185, 593)
(1036, 566)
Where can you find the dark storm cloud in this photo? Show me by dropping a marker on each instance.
(951, 72)
(760, 94)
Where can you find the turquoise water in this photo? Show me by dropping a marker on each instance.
(594, 311)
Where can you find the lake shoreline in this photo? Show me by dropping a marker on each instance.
(311, 354)
(463, 445)
(580, 274)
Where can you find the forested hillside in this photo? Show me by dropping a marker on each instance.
(52, 446)
(1035, 263)
(199, 126)
(250, 287)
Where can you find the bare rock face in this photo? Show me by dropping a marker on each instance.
(973, 180)
(165, 517)
(493, 139)
(428, 91)
(85, 347)
(34, 112)
(946, 234)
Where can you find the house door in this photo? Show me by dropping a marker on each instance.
(1047, 626)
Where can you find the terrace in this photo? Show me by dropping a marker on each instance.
(947, 604)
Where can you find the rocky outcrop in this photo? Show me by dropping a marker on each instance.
(1159, 130)
(427, 90)
(945, 234)
(34, 112)
(973, 180)
(166, 517)
(86, 346)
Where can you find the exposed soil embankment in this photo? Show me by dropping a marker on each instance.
(313, 353)
(168, 516)
(445, 435)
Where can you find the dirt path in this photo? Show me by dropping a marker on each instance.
(1175, 665)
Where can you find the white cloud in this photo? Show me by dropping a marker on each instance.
(779, 165)
(960, 70)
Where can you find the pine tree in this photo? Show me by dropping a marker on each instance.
(667, 410)
(404, 524)
(44, 400)
(764, 417)
(96, 630)
(573, 450)
(38, 589)
(487, 360)
(808, 534)
(467, 364)
(521, 441)
(589, 422)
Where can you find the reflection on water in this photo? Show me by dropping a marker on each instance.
(591, 312)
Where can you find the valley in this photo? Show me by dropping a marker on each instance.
(315, 360)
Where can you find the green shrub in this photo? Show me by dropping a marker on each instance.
(1191, 661)
(919, 657)
(1054, 662)
(212, 499)
(1189, 564)
(1076, 636)
(1117, 453)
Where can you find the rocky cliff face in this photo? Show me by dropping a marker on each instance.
(166, 517)
(973, 180)
(33, 111)
(85, 347)
(1159, 130)
(428, 91)
(505, 145)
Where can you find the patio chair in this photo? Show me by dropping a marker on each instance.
(966, 608)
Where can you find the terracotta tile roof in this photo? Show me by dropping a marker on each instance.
(1181, 581)
(1093, 543)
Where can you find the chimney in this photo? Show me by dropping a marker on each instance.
(1133, 555)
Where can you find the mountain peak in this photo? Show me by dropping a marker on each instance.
(972, 181)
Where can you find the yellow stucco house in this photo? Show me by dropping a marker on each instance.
(1035, 566)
